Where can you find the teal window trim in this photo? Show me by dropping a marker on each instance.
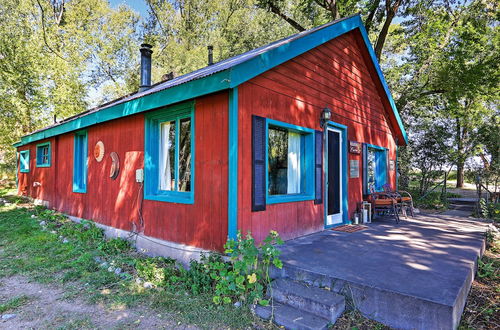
(80, 162)
(345, 169)
(152, 151)
(39, 154)
(307, 159)
(380, 167)
(24, 161)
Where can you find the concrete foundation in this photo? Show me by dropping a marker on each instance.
(153, 246)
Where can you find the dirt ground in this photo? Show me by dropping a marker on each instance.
(46, 307)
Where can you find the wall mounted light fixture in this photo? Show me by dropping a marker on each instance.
(326, 114)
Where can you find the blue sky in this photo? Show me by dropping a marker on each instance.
(139, 6)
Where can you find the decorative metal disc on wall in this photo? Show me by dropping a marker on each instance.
(99, 151)
(115, 165)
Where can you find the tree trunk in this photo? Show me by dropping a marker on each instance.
(391, 11)
(460, 161)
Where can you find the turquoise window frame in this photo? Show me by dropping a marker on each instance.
(39, 154)
(80, 162)
(152, 153)
(24, 161)
(307, 160)
(380, 167)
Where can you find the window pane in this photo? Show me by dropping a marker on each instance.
(167, 156)
(371, 168)
(45, 155)
(185, 155)
(278, 161)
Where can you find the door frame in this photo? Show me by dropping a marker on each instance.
(343, 130)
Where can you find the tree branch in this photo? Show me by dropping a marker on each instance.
(391, 10)
(44, 36)
(275, 9)
(371, 15)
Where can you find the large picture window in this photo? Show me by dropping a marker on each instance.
(43, 155)
(170, 155)
(290, 162)
(374, 168)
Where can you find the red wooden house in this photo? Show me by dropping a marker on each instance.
(243, 144)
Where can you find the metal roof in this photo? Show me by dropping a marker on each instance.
(226, 74)
(197, 74)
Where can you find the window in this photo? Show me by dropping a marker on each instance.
(290, 163)
(24, 161)
(80, 162)
(169, 158)
(43, 155)
(374, 167)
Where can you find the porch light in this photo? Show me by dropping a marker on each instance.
(326, 114)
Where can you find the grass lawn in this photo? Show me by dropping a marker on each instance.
(482, 310)
(73, 267)
(63, 254)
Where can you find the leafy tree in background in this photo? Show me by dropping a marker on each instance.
(52, 55)
(181, 30)
(447, 69)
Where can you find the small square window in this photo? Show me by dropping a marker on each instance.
(24, 161)
(43, 155)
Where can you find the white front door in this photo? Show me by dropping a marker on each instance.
(334, 176)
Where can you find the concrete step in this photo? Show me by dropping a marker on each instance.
(395, 309)
(292, 318)
(461, 207)
(463, 201)
(311, 299)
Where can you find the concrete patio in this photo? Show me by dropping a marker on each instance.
(411, 275)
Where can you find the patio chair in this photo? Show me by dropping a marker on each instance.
(404, 199)
(384, 203)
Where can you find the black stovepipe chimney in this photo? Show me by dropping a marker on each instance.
(146, 52)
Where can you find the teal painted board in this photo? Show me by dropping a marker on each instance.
(233, 165)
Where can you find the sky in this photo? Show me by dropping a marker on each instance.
(139, 6)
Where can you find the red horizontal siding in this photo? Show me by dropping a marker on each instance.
(334, 75)
(117, 202)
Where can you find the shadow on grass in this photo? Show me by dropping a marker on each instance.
(47, 247)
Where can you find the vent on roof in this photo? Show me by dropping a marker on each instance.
(146, 52)
(210, 54)
(167, 76)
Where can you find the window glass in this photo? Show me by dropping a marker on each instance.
(43, 155)
(284, 161)
(185, 155)
(175, 173)
(371, 168)
(167, 156)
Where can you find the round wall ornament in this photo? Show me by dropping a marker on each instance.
(99, 151)
(115, 165)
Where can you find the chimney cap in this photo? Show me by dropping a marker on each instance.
(146, 48)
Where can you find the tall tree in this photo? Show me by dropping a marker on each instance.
(53, 53)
